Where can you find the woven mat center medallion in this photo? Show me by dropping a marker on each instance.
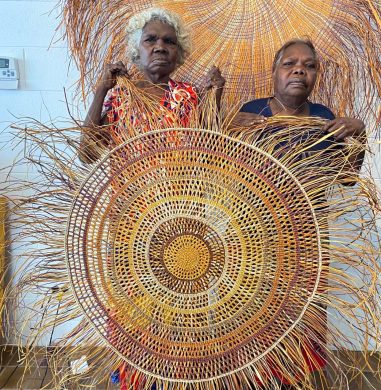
(192, 256)
(187, 257)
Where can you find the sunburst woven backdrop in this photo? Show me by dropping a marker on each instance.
(241, 37)
(191, 257)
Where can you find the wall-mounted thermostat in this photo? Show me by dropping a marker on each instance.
(9, 73)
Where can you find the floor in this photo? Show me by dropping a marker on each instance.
(12, 372)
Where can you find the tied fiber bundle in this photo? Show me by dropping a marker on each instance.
(242, 38)
(199, 257)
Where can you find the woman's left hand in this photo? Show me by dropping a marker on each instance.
(214, 78)
(345, 127)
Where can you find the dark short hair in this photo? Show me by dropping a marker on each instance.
(296, 41)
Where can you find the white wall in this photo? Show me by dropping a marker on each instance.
(28, 33)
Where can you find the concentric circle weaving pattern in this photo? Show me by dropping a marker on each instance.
(193, 255)
(226, 33)
(187, 257)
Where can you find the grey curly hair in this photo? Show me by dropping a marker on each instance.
(137, 22)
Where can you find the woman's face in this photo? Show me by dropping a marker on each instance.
(295, 73)
(158, 50)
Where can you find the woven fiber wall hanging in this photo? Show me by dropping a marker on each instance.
(242, 38)
(192, 258)
(197, 258)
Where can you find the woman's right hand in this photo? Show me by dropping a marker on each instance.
(110, 73)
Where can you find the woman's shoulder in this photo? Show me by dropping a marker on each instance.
(256, 106)
(320, 110)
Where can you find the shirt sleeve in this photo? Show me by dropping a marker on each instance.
(322, 112)
(109, 100)
(257, 106)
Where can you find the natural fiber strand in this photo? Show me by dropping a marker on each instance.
(242, 38)
(206, 190)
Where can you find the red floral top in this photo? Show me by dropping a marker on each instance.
(177, 104)
(176, 107)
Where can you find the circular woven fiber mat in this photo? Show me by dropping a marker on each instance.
(191, 253)
(242, 37)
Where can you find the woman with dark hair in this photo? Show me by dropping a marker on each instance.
(294, 71)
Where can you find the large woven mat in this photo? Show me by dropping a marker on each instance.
(241, 37)
(191, 253)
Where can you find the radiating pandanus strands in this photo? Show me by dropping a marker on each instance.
(242, 38)
(211, 256)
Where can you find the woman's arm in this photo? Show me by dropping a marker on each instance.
(214, 79)
(246, 119)
(93, 137)
(344, 129)
(92, 134)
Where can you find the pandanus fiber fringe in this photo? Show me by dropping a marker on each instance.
(242, 38)
(206, 257)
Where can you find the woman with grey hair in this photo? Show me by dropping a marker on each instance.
(157, 43)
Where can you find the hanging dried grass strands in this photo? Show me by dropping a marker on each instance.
(201, 257)
(242, 38)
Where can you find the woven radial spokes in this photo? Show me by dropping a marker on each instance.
(202, 254)
(208, 257)
(241, 37)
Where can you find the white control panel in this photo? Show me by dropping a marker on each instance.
(9, 73)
